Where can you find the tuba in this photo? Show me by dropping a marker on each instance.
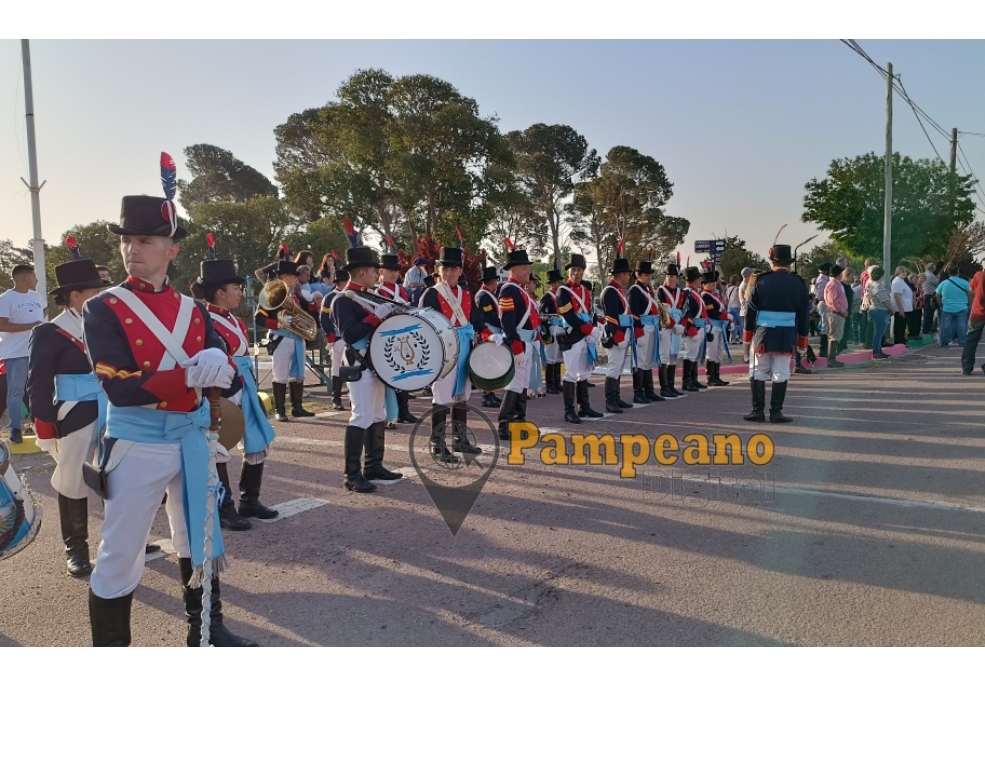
(275, 295)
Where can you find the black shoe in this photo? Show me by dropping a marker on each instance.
(672, 382)
(250, 479)
(297, 394)
(439, 429)
(110, 620)
(280, 397)
(228, 518)
(407, 418)
(375, 443)
(490, 401)
(353, 450)
(337, 394)
(16, 436)
(801, 370)
(648, 390)
(219, 635)
(758, 401)
(403, 413)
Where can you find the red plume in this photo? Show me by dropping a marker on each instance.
(71, 242)
(335, 255)
(510, 244)
(210, 240)
(389, 240)
(621, 242)
(285, 251)
(348, 227)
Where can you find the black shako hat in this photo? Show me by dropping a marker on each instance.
(691, 274)
(710, 277)
(554, 276)
(621, 265)
(451, 257)
(645, 267)
(672, 269)
(516, 257)
(780, 253)
(489, 273)
(216, 273)
(359, 257)
(341, 276)
(287, 268)
(577, 261)
(390, 262)
(76, 275)
(145, 216)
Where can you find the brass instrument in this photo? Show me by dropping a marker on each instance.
(665, 317)
(276, 295)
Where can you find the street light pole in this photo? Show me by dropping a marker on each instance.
(887, 225)
(32, 158)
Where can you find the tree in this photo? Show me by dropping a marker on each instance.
(737, 256)
(967, 244)
(928, 203)
(9, 257)
(218, 176)
(549, 159)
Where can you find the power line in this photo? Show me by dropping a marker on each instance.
(966, 166)
(965, 132)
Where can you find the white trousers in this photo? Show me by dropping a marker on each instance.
(521, 364)
(666, 345)
(338, 356)
(644, 348)
(715, 346)
(552, 352)
(368, 399)
(443, 390)
(617, 359)
(282, 362)
(576, 367)
(135, 489)
(692, 345)
(70, 453)
(770, 366)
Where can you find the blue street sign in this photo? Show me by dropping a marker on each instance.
(713, 246)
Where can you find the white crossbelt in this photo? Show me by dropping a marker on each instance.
(174, 353)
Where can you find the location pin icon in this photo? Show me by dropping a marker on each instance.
(445, 458)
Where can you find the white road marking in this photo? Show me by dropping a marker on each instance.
(294, 507)
(905, 503)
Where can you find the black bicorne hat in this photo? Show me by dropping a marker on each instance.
(452, 257)
(577, 261)
(644, 267)
(358, 257)
(489, 273)
(780, 253)
(621, 265)
(516, 257)
(76, 275)
(554, 275)
(390, 262)
(216, 273)
(145, 216)
(710, 277)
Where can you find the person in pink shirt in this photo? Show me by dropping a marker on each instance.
(837, 305)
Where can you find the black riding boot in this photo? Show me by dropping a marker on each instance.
(337, 394)
(639, 393)
(694, 377)
(228, 518)
(777, 394)
(74, 517)
(510, 401)
(758, 388)
(297, 392)
(584, 405)
(250, 478)
(554, 378)
(570, 415)
(687, 383)
(617, 389)
(439, 429)
(375, 446)
(280, 396)
(665, 390)
(648, 390)
(520, 412)
(110, 620)
(459, 418)
(612, 396)
(672, 381)
(219, 635)
(403, 413)
(490, 401)
(354, 480)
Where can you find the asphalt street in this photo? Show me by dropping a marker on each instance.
(867, 527)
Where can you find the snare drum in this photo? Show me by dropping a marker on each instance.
(491, 366)
(20, 514)
(408, 351)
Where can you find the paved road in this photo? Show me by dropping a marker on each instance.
(866, 528)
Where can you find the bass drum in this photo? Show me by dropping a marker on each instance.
(20, 514)
(408, 351)
(491, 366)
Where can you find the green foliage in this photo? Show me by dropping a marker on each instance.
(929, 202)
(218, 176)
(9, 257)
(736, 257)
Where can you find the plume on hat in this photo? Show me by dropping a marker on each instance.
(169, 180)
(73, 247)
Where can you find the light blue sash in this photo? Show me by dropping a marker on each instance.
(593, 352)
(527, 335)
(494, 329)
(626, 322)
(83, 387)
(654, 321)
(675, 340)
(700, 322)
(466, 334)
(297, 360)
(259, 434)
(774, 318)
(389, 394)
(188, 430)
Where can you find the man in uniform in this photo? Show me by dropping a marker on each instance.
(646, 314)
(620, 337)
(288, 353)
(675, 302)
(154, 351)
(388, 288)
(695, 325)
(516, 311)
(552, 326)
(575, 306)
(777, 322)
(356, 319)
(454, 302)
(66, 402)
(487, 304)
(333, 337)
(223, 289)
(719, 325)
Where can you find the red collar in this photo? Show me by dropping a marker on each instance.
(145, 286)
(220, 311)
(356, 287)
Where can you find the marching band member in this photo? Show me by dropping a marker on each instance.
(288, 352)
(718, 331)
(388, 288)
(67, 404)
(646, 312)
(367, 394)
(777, 322)
(454, 302)
(619, 334)
(575, 305)
(515, 315)
(695, 323)
(536, 384)
(223, 289)
(675, 301)
(487, 303)
(553, 325)
(334, 337)
(153, 352)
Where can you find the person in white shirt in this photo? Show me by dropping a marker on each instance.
(21, 309)
(902, 296)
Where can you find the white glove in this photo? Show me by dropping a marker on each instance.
(287, 319)
(48, 445)
(558, 331)
(679, 330)
(596, 335)
(202, 376)
(383, 310)
(496, 338)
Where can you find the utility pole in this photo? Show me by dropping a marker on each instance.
(887, 225)
(954, 150)
(32, 158)
(954, 178)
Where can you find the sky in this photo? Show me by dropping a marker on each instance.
(739, 125)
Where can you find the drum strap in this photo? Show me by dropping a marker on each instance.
(453, 302)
